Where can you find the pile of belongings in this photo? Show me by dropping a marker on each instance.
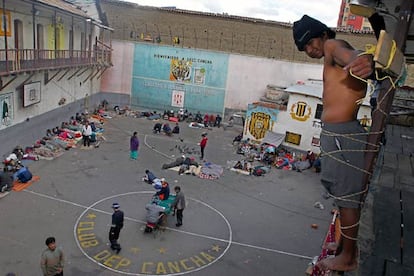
(243, 167)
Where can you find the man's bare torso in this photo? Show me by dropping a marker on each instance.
(340, 93)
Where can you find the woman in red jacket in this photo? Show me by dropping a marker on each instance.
(203, 144)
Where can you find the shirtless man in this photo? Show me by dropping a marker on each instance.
(343, 154)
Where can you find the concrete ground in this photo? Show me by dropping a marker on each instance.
(235, 225)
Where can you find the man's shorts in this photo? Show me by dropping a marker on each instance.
(342, 158)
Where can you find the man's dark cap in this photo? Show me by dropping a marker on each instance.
(307, 28)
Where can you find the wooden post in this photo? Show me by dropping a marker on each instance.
(386, 94)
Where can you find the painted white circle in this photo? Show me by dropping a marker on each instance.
(91, 207)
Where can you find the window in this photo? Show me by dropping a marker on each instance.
(319, 110)
(293, 138)
(316, 141)
(352, 17)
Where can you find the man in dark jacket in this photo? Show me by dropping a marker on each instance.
(179, 205)
(116, 226)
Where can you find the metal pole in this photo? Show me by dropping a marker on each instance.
(5, 34)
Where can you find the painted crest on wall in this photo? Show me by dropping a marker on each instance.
(300, 111)
(259, 120)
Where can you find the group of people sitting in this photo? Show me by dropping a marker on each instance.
(212, 120)
(77, 126)
(166, 129)
(306, 161)
(276, 156)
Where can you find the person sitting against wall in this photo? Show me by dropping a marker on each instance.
(212, 120)
(78, 118)
(49, 133)
(56, 130)
(198, 117)
(206, 120)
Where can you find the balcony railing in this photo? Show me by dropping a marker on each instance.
(28, 60)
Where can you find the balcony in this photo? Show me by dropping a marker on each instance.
(28, 60)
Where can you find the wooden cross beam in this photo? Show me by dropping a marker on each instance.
(387, 92)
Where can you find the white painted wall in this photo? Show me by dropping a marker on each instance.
(248, 77)
(309, 128)
(118, 78)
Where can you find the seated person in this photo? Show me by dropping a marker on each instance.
(238, 138)
(310, 156)
(72, 121)
(93, 127)
(154, 214)
(149, 177)
(176, 129)
(164, 192)
(78, 118)
(198, 117)
(56, 131)
(206, 120)
(92, 139)
(212, 120)
(64, 125)
(6, 180)
(157, 128)
(167, 129)
(301, 164)
(49, 133)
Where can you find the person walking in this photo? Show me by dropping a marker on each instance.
(134, 146)
(343, 139)
(179, 205)
(203, 144)
(116, 226)
(52, 259)
(86, 134)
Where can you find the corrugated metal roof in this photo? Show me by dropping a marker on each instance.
(63, 5)
(306, 89)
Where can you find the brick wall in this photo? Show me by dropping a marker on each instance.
(231, 34)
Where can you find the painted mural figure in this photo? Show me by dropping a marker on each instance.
(180, 70)
(341, 94)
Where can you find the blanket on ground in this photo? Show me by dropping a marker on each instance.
(211, 171)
